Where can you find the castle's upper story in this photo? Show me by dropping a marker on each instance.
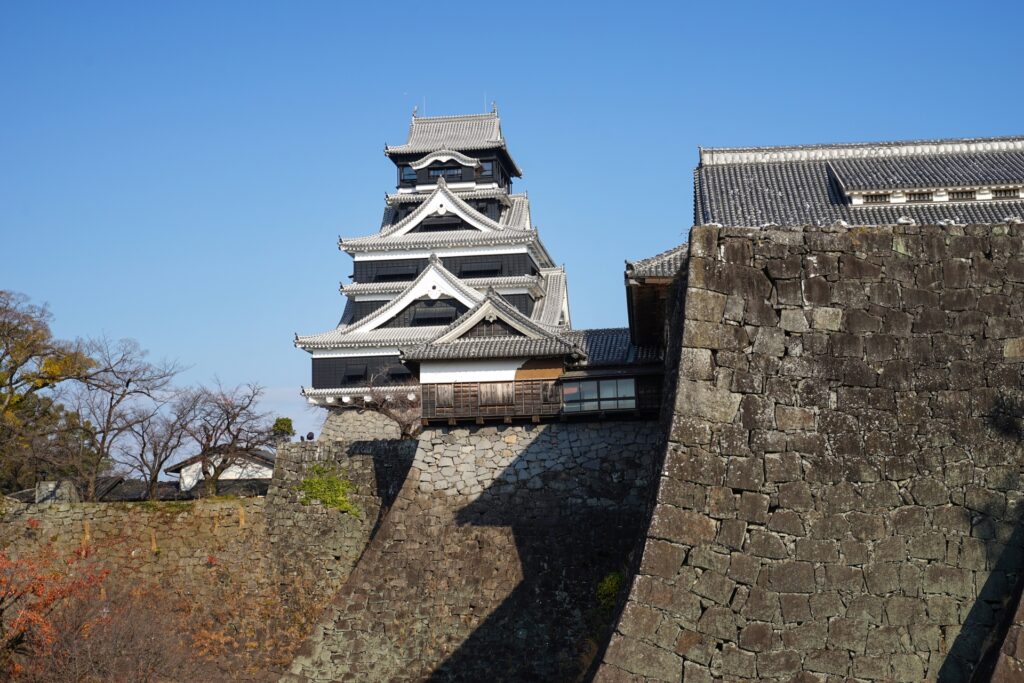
(966, 181)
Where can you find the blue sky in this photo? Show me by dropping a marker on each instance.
(179, 172)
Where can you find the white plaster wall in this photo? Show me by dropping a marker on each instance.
(193, 474)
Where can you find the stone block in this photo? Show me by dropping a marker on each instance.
(704, 400)
(788, 418)
(792, 577)
(705, 305)
(641, 658)
(718, 622)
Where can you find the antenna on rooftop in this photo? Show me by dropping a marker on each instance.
(494, 107)
(415, 108)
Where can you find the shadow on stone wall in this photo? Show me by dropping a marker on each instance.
(572, 528)
(987, 622)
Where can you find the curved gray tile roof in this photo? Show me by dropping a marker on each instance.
(611, 347)
(665, 264)
(461, 133)
(969, 169)
(796, 191)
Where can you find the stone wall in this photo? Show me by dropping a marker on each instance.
(172, 544)
(840, 496)
(487, 565)
(353, 424)
(318, 545)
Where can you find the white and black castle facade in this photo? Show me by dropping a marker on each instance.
(456, 304)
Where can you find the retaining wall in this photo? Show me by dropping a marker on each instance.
(840, 495)
(488, 564)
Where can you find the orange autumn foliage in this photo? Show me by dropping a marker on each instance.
(32, 589)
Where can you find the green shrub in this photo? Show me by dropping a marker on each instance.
(325, 485)
(608, 592)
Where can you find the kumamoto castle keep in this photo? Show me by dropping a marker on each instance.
(800, 462)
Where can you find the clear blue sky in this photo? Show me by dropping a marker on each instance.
(179, 172)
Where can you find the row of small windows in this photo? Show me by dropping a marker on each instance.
(605, 394)
(954, 196)
(576, 397)
(450, 173)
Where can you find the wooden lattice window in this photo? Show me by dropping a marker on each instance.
(497, 393)
(876, 199)
(444, 396)
(1012, 193)
(962, 195)
(919, 197)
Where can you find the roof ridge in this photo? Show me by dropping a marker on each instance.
(484, 115)
(711, 156)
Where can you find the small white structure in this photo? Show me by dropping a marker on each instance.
(256, 464)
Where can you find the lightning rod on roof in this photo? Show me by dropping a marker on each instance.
(415, 108)
(494, 107)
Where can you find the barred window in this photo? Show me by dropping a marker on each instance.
(1012, 193)
(876, 199)
(919, 197)
(497, 393)
(550, 392)
(444, 395)
(446, 172)
(961, 195)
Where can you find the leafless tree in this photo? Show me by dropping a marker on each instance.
(120, 392)
(398, 400)
(225, 425)
(158, 438)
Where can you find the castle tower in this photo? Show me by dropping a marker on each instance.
(455, 292)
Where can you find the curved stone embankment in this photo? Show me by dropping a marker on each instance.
(487, 564)
(840, 497)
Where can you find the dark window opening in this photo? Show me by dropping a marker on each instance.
(355, 373)
(446, 172)
(962, 195)
(408, 174)
(433, 316)
(919, 197)
(480, 269)
(396, 273)
(1006, 194)
(486, 169)
(876, 199)
(604, 394)
(399, 371)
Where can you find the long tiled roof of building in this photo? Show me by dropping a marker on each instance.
(665, 264)
(342, 337)
(439, 240)
(809, 185)
(417, 197)
(482, 283)
(462, 133)
(611, 346)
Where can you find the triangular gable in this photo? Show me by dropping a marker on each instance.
(495, 327)
(442, 201)
(493, 307)
(434, 282)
